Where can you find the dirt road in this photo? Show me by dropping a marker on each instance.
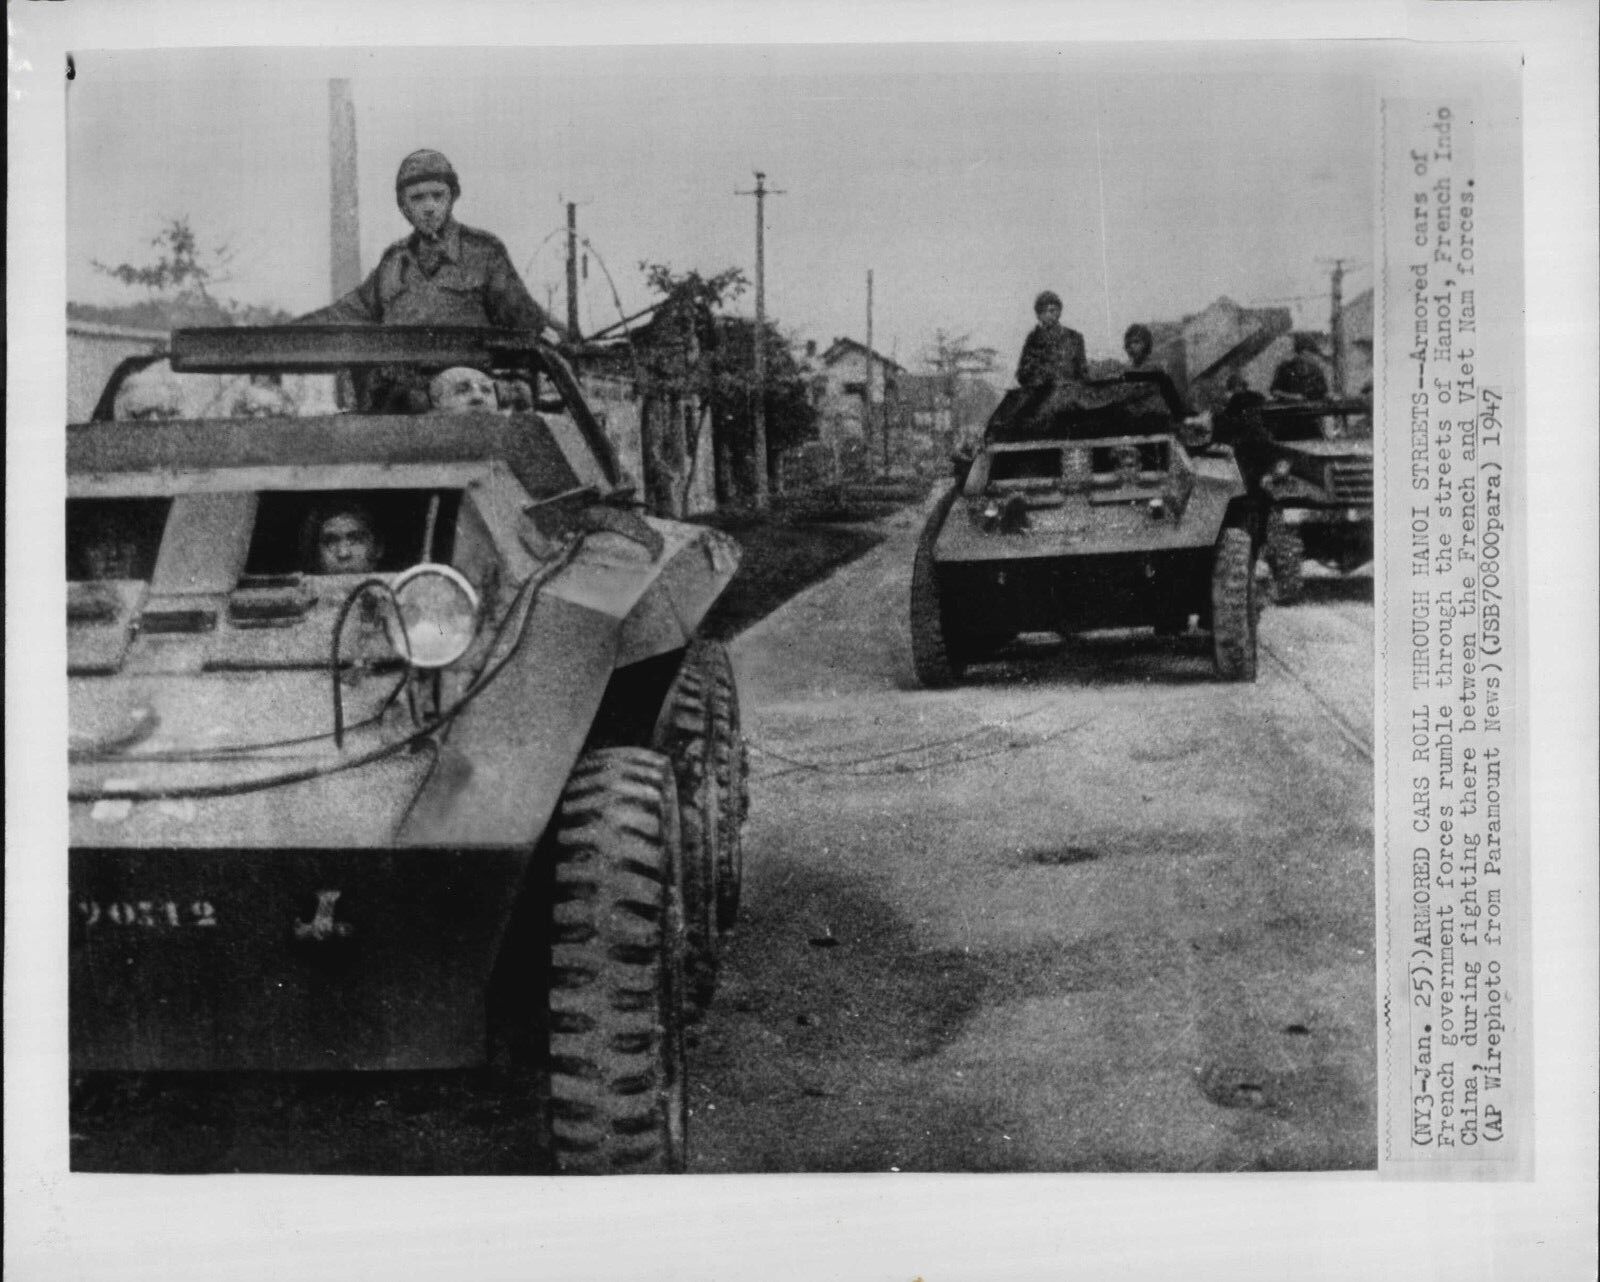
(1091, 910)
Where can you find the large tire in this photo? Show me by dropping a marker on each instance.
(618, 1101)
(686, 735)
(730, 762)
(1285, 555)
(935, 657)
(1233, 606)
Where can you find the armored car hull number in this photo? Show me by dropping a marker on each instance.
(144, 914)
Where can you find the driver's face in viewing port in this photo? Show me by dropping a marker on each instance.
(346, 545)
(427, 205)
(109, 557)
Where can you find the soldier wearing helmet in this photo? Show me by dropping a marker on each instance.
(1300, 377)
(443, 273)
(1052, 353)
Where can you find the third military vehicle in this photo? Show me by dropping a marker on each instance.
(1319, 479)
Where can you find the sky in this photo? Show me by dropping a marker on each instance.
(1139, 183)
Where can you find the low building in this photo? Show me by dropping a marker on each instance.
(850, 386)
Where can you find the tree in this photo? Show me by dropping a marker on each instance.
(178, 267)
(791, 417)
(179, 286)
(695, 365)
(955, 360)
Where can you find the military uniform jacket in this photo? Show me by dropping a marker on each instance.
(1051, 355)
(465, 277)
(1300, 376)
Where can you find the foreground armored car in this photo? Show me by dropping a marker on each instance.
(1086, 510)
(1318, 477)
(479, 799)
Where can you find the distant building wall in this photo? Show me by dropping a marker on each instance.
(848, 378)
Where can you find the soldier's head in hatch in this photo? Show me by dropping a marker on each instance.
(461, 390)
(426, 189)
(150, 393)
(343, 539)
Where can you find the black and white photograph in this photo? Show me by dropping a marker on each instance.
(900, 618)
(758, 608)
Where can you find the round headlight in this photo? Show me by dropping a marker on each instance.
(439, 609)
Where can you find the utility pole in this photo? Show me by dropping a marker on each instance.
(344, 224)
(866, 395)
(572, 271)
(1336, 326)
(761, 193)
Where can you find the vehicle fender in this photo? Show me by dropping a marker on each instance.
(506, 758)
(623, 598)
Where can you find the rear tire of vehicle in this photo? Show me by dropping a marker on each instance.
(1285, 554)
(1233, 607)
(934, 657)
(688, 737)
(618, 1101)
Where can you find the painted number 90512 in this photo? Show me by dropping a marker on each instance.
(148, 914)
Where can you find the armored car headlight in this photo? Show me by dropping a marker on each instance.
(438, 615)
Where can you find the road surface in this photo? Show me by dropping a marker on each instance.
(1090, 911)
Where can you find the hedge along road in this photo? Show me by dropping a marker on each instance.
(1089, 911)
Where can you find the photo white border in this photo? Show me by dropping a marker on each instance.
(936, 1227)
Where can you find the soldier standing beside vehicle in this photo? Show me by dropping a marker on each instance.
(443, 273)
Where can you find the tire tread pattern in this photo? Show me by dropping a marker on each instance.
(616, 1028)
(934, 657)
(1233, 606)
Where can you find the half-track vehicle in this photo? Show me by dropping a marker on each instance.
(1095, 506)
(1318, 477)
(475, 800)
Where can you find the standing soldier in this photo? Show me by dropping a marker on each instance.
(443, 273)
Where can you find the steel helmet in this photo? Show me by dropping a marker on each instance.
(426, 166)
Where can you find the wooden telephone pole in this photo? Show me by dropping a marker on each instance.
(761, 192)
(1336, 326)
(572, 271)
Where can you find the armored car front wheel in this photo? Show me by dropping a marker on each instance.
(934, 654)
(1233, 606)
(618, 1101)
(730, 760)
(699, 732)
(1285, 554)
